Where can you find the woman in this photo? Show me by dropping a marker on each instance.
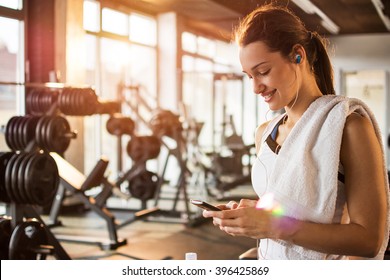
(320, 172)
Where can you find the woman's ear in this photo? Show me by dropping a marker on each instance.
(298, 54)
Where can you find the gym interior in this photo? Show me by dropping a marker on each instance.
(89, 87)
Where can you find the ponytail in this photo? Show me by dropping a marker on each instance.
(320, 63)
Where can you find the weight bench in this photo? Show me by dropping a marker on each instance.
(77, 183)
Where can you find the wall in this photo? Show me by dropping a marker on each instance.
(363, 52)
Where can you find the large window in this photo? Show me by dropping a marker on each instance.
(11, 63)
(123, 51)
(12, 4)
(214, 89)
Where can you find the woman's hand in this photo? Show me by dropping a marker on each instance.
(244, 219)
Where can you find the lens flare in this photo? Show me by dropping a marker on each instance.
(266, 202)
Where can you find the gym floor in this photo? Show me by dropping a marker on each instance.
(153, 238)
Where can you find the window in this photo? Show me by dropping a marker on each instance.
(11, 67)
(12, 4)
(142, 29)
(206, 47)
(188, 41)
(110, 61)
(114, 22)
(91, 18)
(208, 99)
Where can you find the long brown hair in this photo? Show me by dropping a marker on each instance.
(281, 30)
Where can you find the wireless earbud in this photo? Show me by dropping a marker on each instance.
(298, 59)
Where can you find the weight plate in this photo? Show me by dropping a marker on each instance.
(29, 129)
(42, 101)
(54, 96)
(41, 179)
(41, 132)
(60, 99)
(8, 133)
(22, 178)
(20, 129)
(143, 147)
(4, 159)
(112, 126)
(8, 179)
(36, 98)
(74, 101)
(81, 104)
(23, 132)
(58, 131)
(17, 137)
(29, 95)
(30, 102)
(15, 180)
(46, 141)
(20, 175)
(5, 236)
(68, 102)
(129, 126)
(46, 104)
(38, 130)
(144, 185)
(86, 99)
(26, 239)
(66, 109)
(49, 141)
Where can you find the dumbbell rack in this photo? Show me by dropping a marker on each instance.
(46, 130)
(82, 102)
(27, 186)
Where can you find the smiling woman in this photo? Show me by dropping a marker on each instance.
(326, 202)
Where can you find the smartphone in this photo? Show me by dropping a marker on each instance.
(204, 205)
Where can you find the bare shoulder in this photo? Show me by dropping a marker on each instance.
(359, 138)
(357, 125)
(259, 133)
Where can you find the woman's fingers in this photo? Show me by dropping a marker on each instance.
(247, 203)
(231, 205)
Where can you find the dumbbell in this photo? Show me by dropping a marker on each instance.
(142, 148)
(77, 101)
(54, 134)
(119, 125)
(144, 185)
(40, 100)
(165, 123)
(19, 131)
(50, 132)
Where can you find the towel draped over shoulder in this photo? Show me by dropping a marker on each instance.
(304, 180)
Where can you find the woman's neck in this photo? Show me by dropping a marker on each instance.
(305, 96)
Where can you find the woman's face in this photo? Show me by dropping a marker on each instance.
(273, 76)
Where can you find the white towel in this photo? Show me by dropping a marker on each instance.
(304, 180)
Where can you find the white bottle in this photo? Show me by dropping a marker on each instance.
(191, 256)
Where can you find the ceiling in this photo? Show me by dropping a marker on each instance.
(218, 17)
